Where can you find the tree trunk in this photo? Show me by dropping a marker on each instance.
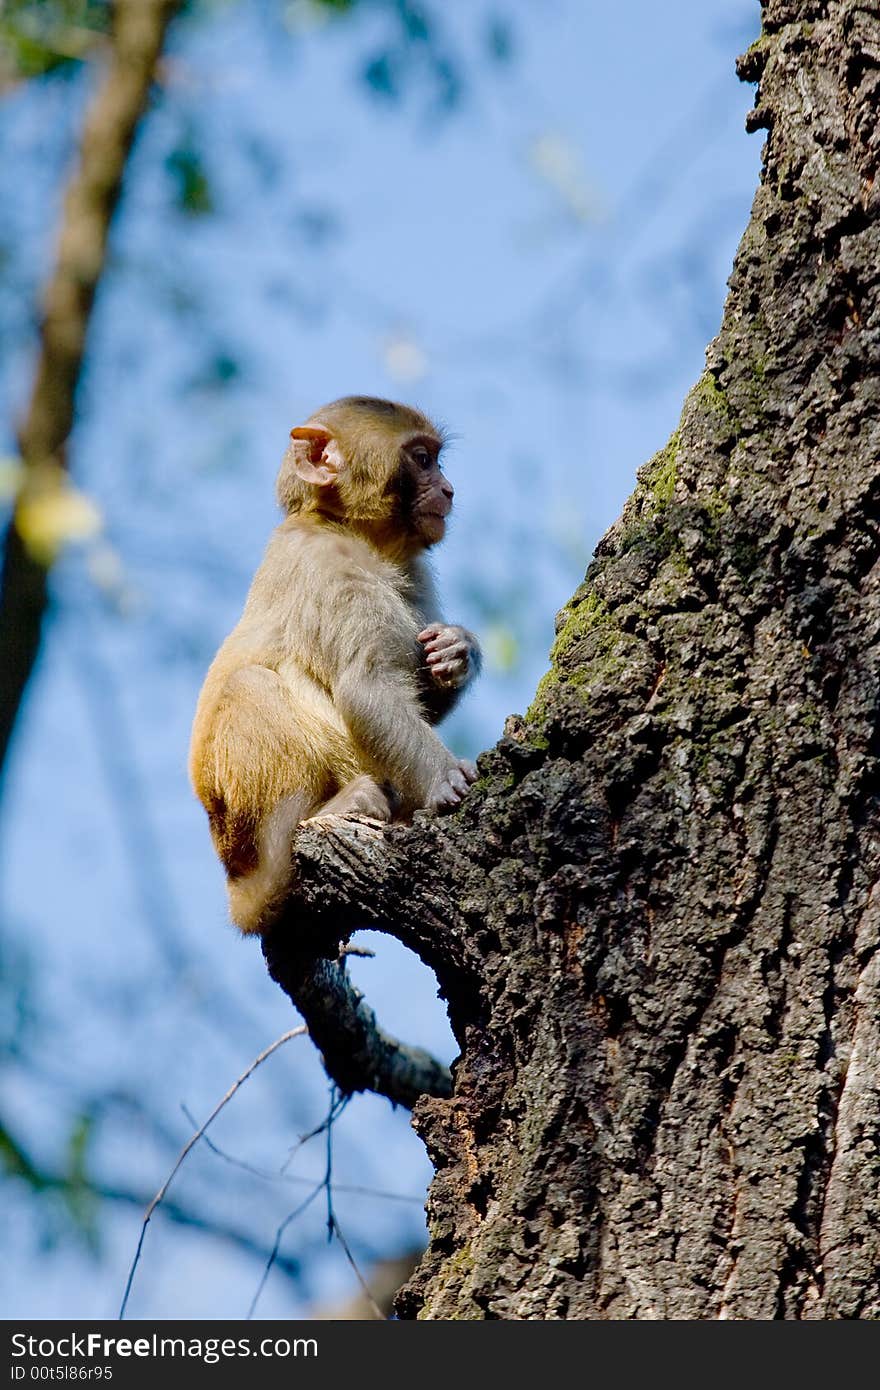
(655, 919)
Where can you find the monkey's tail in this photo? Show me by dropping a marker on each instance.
(255, 898)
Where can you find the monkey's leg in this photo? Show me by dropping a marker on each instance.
(260, 773)
(361, 797)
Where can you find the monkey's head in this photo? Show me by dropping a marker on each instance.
(373, 463)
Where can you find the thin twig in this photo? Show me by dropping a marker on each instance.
(267, 1052)
(49, 1180)
(273, 1175)
(333, 1227)
(360, 1278)
(328, 1169)
(275, 1248)
(194, 1220)
(337, 1105)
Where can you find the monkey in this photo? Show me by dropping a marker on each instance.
(322, 700)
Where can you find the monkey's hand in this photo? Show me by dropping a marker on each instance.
(449, 787)
(452, 656)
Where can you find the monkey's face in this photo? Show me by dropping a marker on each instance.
(374, 465)
(425, 493)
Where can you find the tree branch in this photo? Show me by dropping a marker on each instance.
(350, 874)
(138, 33)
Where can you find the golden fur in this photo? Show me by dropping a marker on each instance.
(320, 686)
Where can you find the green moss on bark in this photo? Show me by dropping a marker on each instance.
(585, 650)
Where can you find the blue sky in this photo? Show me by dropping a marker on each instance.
(542, 268)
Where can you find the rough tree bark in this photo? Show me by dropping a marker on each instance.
(656, 918)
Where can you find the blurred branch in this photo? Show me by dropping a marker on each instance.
(136, 39)
(18, 1164)
(209, 1225)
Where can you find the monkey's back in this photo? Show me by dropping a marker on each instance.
(266, 725)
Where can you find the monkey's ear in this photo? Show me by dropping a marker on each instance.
(317, 458)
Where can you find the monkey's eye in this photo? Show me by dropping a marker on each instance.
(421, 456)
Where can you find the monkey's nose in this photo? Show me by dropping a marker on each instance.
(448, 491)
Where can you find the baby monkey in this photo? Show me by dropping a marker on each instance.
(322, 699)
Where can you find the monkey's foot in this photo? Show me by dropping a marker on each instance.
(332, 820)
(361, 797)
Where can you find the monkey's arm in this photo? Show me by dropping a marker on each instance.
(376, 691)
(452, 659)
(381, 707)
(451, 656)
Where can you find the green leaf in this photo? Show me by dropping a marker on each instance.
(78, 1146)
(16, 1163)
(77, 1190)
(38, 37)
(192, 191)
